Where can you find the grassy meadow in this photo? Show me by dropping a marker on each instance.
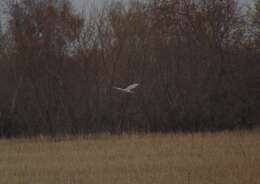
(223, 158)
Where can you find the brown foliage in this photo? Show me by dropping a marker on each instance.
(191, 58)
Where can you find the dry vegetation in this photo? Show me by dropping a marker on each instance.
(194, 158)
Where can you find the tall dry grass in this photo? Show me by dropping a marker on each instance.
(231, 158)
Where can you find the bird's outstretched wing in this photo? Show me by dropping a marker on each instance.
(120, 89)
(132, 86)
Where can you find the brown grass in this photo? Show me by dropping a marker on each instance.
(232, 158)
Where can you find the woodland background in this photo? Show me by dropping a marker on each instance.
(197, 63)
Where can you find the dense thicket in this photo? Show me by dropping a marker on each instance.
(197, 63)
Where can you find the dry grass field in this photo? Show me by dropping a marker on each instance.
(224, 158)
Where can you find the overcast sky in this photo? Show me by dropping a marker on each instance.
(81, 3)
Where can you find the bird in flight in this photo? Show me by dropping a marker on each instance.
(128, 89)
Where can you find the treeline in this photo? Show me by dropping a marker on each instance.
(197, 63)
